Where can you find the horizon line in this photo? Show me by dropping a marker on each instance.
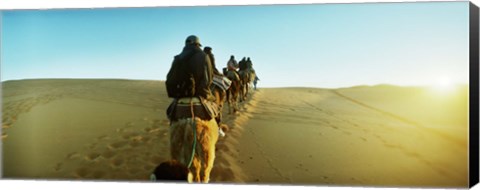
(287, 86)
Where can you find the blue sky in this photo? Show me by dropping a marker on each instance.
(324, 45)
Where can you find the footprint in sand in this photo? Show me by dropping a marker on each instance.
(129, 135)
(4, 135)
(156, 130)
(6, 120)
(146, 139)
(134, 143)
(108, 154)
(102, 137)
(129, 124)
(98, 174)
(72, 155)
(148, 129)
(412, 154)
(9, 120)
(92, 156)
(58, 167)
(116, 162)
(93, 145)
(117, 145)
(156, 123)
(347, 133)
(391, 145)
(5, 126)
(81, 172)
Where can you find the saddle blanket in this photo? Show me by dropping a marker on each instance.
(222, 82)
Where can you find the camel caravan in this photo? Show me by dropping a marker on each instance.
(199, 92)
(241, 79)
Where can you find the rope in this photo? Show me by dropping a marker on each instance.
(194, 133)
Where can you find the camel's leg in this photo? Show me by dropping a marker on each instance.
(229, 97)
(207, 166)
(178, 141)
(210, 138)
(195, 170)
(241, 92)
(230, 107)
(234, 105)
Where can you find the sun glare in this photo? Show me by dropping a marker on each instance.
(444, 84)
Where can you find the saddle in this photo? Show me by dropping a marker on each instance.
(182, 108)
(222, 82)
(233, 75)
(245, 74)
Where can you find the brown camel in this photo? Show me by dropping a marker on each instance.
(233, 92)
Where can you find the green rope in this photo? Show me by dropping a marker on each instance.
(194, 142)
(194, 128)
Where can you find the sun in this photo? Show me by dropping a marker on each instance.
(444, 84)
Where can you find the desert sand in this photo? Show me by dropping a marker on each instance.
(117, 130)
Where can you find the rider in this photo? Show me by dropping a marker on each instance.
(208, 51)
(255, 82)
(232, 64)
(242, 64)
(198, 70)
(232, 67)
(249, 64)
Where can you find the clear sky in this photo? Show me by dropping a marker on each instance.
(323, 45)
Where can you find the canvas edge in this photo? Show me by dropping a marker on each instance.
(474, 96)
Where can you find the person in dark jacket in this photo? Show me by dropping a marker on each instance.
(255, 82)
(249, 64)
(208, 51)
(232, 64)
(198, 68)
(201, 67)
(242, 64)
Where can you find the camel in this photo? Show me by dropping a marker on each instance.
(219, 91)
(246, 76)
(233, 92)
(200, 160)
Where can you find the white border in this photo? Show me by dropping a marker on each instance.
(74, 185)
(48, 4)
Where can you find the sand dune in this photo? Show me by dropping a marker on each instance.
(337, 137)
(117, 130)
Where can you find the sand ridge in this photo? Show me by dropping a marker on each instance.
(226, 167)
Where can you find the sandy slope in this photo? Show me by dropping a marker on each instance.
(312, 136)
(84, 129)
(117, 130)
